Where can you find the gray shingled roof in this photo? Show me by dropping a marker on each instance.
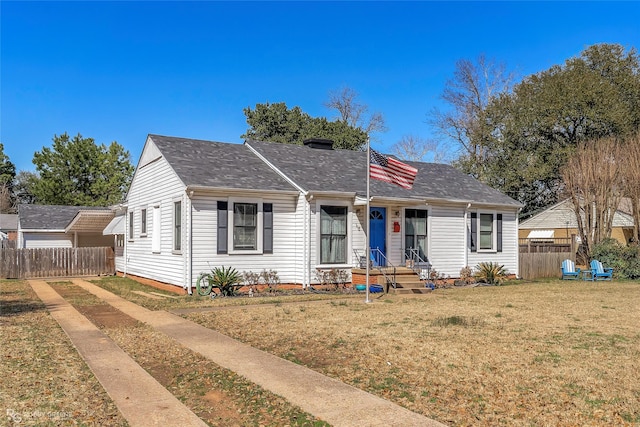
(50, 217)
(8, 222)
(345, 171)
(218, 164)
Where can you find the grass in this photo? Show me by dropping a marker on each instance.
(47, 389)
(45, 382)
(558, 353)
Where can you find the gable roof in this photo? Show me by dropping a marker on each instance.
(218, 164)
(50, 217)
(562, 215)
(8, 222)
(346, 171)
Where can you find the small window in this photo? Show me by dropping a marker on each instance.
(245, 225)
(130, 225)
(486, 231)
(333, 234)
(143, 222)
(177, 226)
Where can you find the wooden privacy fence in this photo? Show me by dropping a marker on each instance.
(546, 264)
(55, 262)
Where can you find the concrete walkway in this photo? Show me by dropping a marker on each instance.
(328, 399)
(140, 398)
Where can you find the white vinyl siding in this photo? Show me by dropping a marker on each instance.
(287, 254)
(509, 254)
(156, 184)
(155, 230)
(447, 241)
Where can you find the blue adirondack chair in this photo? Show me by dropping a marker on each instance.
(569, 271)
(598, 272)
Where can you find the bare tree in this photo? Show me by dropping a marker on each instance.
(468, 94)
(415, 148)
(592, 180)
(630, 175)
(6, 199)
(345, 102)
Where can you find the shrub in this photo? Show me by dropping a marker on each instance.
(491, 273)
(271, 279)
(225, 279)
(625, 260)
(466, 275)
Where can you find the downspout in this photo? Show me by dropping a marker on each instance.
(517, 244)
(190, 246)
(466, 236)
(309, 240)
(126, 241)
(304, 246)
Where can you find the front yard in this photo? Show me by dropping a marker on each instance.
(549, 353)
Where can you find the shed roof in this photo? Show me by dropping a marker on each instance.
(346, 171)
(51, 217)
(8, 222)
(218, 164)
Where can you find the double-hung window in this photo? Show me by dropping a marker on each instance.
(177, 226)
(245, 226)
(143, 222)
(486, 232)
(130, 237)
(333, 234)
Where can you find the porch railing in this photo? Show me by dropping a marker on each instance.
(377, 261)
(419, 265)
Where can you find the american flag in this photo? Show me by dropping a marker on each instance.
(391, 170)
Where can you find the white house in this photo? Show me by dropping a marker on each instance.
(195, 204)
(52, 226)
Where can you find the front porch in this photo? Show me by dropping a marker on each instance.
(396, 280)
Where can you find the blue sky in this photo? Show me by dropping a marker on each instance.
(117, 71)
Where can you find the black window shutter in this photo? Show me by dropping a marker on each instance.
(499, 231)
(222, 227)
(474, 231)
(267, 228)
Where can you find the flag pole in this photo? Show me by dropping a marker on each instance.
(366, 249)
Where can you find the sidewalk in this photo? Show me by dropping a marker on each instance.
(140, 398)
(328, 399)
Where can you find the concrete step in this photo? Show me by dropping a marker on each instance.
(410, 291)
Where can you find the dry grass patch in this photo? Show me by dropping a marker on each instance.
(126, 288)
(552, 353)
(216, 395)
(44, 379)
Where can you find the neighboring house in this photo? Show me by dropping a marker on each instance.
(194, 204)
(9, 226)
(51, 226)
(559, 222)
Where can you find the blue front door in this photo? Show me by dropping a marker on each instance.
(378, 240)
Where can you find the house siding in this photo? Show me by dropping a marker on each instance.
(156, 184)
(509, 255)
(286, 258)
(447, 241)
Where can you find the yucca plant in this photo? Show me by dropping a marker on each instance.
(225, 279)
(491, 273)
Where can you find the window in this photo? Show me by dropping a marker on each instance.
(177, 226)
(143, 222)
(333, 234)
(486, 232)
(415, 231)
(155, 230)
(130, 225)
(245, 223)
